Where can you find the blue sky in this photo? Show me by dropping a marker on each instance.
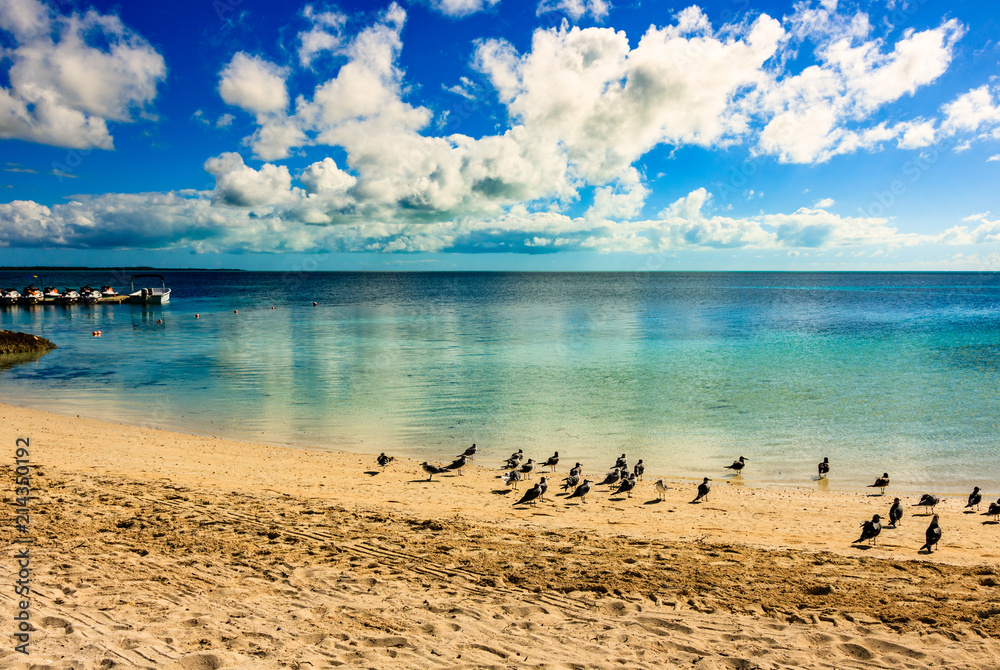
(479, 134)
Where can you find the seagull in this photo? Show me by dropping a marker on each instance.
(626, 486)
(870, 530)
(927, 500)
(933, 535)
(471, 452)
(881, 482)
(895, 512)
(530, 495)
(432, 470)
(622, 462)
(552, 461)
(661, 490)
(612, 478)
(544, 486)
(639, 469)
(384, 460)
(738, 465)
(703, 490)
(581, 491)
(570, 482)
(994, 510)
(577, 470)
(527, 468)
(824, 467)
(975, 498)
(511, 478)
(515, 459)
(458, 464)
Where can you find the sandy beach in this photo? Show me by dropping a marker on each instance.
(167, 550)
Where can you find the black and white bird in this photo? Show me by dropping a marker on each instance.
(933, 535)
(975, 498)
(570, 482)
(458, 464)
(576, 470)
(471, 452)
(511, 478)
(581, 491)
(544, 486)
(870, 530)
(527, 468)
(553, 461)
(622, 462)
(514, 460)
(625, 486)
(994, 510)
(927, 500)
(661, 489)
(432, 470)
(738, 465)
(531, 495)
(881, 482)
(703, 490)
(639, 469)
(824, 467)
(384, 460)
(895, 512)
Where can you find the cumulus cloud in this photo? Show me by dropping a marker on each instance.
(459, 8)
(825, 203)
(575, 9)
(971, 112)
(70, 75)
(325, 34)
(253, 84)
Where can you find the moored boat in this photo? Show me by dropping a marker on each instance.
(89, 295)
(108, 291)
(50, 293)
(30, 295)
(10, 296)
(69, 296)
(150, 295)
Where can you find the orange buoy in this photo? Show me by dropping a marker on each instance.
(236, 311)
(96, 333)
(272, 306)
(197, 316)
(159, 320)
(314, 303)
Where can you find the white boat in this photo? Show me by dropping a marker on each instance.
(30, 295)
(68, 296)
(150, 295)
(51, 293)
(108, 291)
(10, 296)
(89, 296)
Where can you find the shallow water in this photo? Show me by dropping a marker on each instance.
(879, 372)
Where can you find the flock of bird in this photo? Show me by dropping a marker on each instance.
(622, 480)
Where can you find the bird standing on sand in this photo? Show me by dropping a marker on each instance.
(661, 490)
(626, 486)
(933, 535)
(622, 462)
(612, 478)
(870, 530)
(511, 478)
(994, 510)
(577, 470)
(738, 465)
(531, 495)
(927, 500)
(384, 460)
(639, 469)
(703, 490)
(881, 482)
(527, 468)
(544, 486)
(458, 464)
(432, 470)
(570, 482)
(515, 459)
(471, 452)
(895, 512)
(824, 467)
(553, 460)
(975, 498)
(581, 491)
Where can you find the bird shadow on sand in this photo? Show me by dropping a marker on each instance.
(864, 547)
(372, 473)
(924, 514)
(501, 492)
(969, 511)
(991, 523)
(424, 481)
(619, 499)
(876, 495)
(653, 501)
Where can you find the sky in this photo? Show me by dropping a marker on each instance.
(501, 135)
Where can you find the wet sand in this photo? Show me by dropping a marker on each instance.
(159, 549)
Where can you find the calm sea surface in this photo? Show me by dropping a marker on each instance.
(879, 372)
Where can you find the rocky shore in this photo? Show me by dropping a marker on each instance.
(22, 343)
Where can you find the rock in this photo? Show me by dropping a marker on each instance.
(22, 343)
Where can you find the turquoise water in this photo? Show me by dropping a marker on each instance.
(879, 372)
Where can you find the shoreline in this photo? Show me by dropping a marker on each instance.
(162, 549)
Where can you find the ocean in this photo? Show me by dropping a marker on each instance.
(880, 372)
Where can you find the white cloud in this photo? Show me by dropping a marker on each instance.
(575, 9)
(325, 34)
(825, 203)
(994, 157)
(225, 121)
(64, 91)
(240, 185)
(253, 84)
(917, 135)
(459, 8)
(971, 111)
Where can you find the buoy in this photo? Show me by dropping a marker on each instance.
(314, 304)
(272, 306)
(197, 316)
(96, 333)
(159, 320)
(236, 311)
